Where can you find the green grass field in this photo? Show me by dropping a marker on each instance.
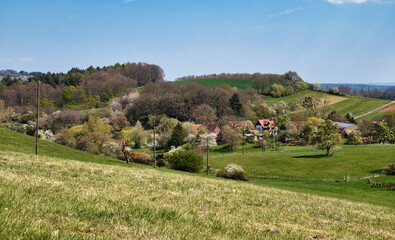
(45, 198)
(342, 105)
(359, 105)
(66, 193)
(305, 170)
(301, 95)
(239, 83)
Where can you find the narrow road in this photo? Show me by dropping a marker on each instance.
(375, 110)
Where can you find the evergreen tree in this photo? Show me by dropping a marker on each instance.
(7, 80)
(177, 137)
(235, 104)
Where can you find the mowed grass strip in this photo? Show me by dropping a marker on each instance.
(42, 198)
(358, 105)
(302, 94)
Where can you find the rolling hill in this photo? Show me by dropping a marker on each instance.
(69, 196)
(356, 105)
(239, 83)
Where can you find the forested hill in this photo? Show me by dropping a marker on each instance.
(86, 88)
(142, 73)
(16, 74)
(275, 85)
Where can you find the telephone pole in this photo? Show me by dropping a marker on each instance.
(207, 155)
(38, 112)
(154, 145)
(243, 131)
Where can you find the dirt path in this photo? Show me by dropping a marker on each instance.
(375, 110)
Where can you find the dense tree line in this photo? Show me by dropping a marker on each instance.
(275, 85)
(190, 101)
(92, 87)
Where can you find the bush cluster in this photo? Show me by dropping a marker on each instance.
(186, 160)
(232, 171)
(141, 158)
(162, 160)
(390, 170)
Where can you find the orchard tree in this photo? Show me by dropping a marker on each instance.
(311, 105)
(308, 131)
(230, 137)
(385, 133)
(204, 114)
(328, 137)
(138, 135)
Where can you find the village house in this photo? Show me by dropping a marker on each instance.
(346, 128)
(212, 128)
(263, 125)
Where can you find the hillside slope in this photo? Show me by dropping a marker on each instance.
(239, 83)
(51, 197)
(356, 105)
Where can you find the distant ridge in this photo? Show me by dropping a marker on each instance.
(380, 87)
(15, 74)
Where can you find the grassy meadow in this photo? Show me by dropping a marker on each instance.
(303, 169)
(295, 194)
(45, 197)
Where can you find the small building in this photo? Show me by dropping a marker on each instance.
(263, 125)
(240, 124)
(212, 128)
(346, 128)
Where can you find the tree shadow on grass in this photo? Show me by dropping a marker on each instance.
(378, 171)
(312, 156)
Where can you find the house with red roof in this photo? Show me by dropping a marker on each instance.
(263, 125)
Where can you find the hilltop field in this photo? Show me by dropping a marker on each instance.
(66, 194)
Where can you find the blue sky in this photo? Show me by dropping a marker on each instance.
(347, 41)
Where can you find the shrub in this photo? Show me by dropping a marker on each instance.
(65, 137)
(232, 171)
(141, 158)
(111, 149)
(390, 170)
(354, 138)
(162, 160)
(186, 160)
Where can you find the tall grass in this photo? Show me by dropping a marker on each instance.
(42, 198)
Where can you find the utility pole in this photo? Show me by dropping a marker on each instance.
(38, 111)
(154, 145)
(207, 154)
(243, 129)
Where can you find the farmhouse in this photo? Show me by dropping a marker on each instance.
(212, 128)
(265, 125)
(346, 128)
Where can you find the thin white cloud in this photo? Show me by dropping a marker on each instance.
(285, 12)
(359, 1)
(128, 1)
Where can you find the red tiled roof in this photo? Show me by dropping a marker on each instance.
(266, 123)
